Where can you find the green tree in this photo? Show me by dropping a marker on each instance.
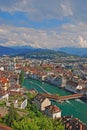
(45, 123)
(57, 125)
(1, 121)
(21, 78)
(25, 124)
(12, 115)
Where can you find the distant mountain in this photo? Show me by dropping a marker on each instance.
(21, 47)
(85, 55)
(14, 50)
(74, 51)
(19, 50)
(29, 51)
(6, 51)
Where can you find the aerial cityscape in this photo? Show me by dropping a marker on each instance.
(43, 65)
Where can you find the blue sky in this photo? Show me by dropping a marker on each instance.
(20, 19)
(43, 23)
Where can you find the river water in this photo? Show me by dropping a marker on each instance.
(75, 107)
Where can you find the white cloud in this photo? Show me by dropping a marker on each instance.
(70, 35)
(82, 42)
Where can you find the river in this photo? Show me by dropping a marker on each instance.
(75, 107)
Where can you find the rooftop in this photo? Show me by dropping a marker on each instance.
(40, 98)
(53, 109)
(3, 127)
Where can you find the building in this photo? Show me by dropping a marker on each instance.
(71, 86)
(72, 123)
(75, 87)
(4, 86)
(18, 103)
(53, 111)
(4, 83)
(41, 102)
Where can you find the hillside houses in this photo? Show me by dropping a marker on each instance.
(44, 105)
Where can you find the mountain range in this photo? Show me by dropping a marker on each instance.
(6, 50)
(74, 51)
(16, 50)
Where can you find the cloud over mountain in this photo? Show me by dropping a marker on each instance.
(70, 35)
(83, 43)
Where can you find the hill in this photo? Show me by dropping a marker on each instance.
(6, 51)
(39, 53)
(74, 51)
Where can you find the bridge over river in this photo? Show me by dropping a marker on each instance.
(63, 98)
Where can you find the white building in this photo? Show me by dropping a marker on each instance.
(53, 111)
(18, 103)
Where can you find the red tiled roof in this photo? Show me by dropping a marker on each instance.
(3, 127)
(53, 109)
(3, 80)
(16, 93)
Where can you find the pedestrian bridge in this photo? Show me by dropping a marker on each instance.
(62, 98)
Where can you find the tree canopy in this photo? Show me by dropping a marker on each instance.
(21, 78)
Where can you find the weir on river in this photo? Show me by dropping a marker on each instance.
(40, 87)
